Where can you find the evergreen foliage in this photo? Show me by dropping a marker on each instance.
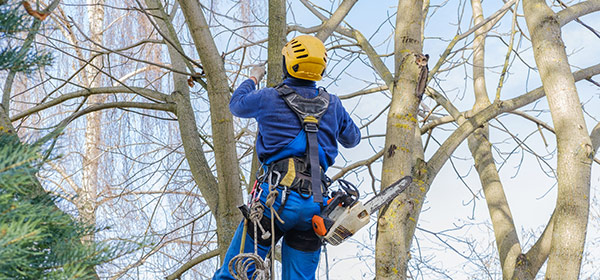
(37, 240)
(13, 23)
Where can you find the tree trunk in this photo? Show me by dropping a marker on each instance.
(87, 194)
(507, 240)
(403, 149)
(229, 182)
(574, 144)
(277, 39)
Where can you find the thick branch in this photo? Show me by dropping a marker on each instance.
(229, 183)
(538, 254)
(332, 23)
(443, 153)
(507, 240)
(444, 102)
(580, 9)
(87, 92)
(574, 147)
(342, 30)
(277, 38)
(595, 135)
(188, 129)
(376, 61)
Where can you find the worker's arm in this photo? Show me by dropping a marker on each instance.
(349, 133)
(245, 101)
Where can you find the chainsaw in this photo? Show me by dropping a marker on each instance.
(344, 214)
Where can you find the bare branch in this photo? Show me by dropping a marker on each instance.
(495, 17)
(580, 9)
(356, 165)
(342, 30)
(332, 23)
(538, 254)
(149, 93)
(122, 104)
(376, 61)
(533, 119)
(185, 267)
(363, 92)
(443, 153)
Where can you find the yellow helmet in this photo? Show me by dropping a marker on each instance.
(305, 58)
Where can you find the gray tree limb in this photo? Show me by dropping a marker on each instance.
(443, 153)
(149, 93)
(188, 128)
(188, 265)
(580, 9)
(334, 21)
(573, 141)
(595, 136)
(229, 181)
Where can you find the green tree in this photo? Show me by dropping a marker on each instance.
(37, 240)
(13, 56)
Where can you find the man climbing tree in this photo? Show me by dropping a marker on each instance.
(299, 127)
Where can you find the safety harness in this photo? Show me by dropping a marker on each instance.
(309, 111)
(289, 172)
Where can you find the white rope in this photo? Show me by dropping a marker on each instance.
(242, 264)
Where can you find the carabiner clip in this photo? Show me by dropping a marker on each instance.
(271, 184)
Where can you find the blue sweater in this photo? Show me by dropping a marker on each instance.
(278, 125)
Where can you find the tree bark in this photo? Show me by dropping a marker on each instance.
(574, 145)
(277, 39)
(595, 135)
(332, 23)
(192, 144)
(403, 150)
(229, 182)
(580, 9)
(87, 194)
(507, 240)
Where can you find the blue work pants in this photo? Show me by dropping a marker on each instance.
(299, 256)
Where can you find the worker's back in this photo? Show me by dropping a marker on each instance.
(278, 124)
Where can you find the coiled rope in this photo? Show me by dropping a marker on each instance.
(241, 263)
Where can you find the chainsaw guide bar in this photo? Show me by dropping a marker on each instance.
(387, 195)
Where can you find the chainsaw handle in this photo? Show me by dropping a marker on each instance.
(349, 188)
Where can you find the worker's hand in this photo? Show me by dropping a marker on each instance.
(258, 72)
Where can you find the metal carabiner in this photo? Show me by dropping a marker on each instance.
(271, 184)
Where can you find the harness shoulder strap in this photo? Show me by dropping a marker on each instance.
(309, 111)
(305, 107)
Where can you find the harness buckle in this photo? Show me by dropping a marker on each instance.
(311, 127)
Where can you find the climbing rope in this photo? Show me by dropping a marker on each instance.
(241, 264)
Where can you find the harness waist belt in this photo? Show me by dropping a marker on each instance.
(296, 175)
